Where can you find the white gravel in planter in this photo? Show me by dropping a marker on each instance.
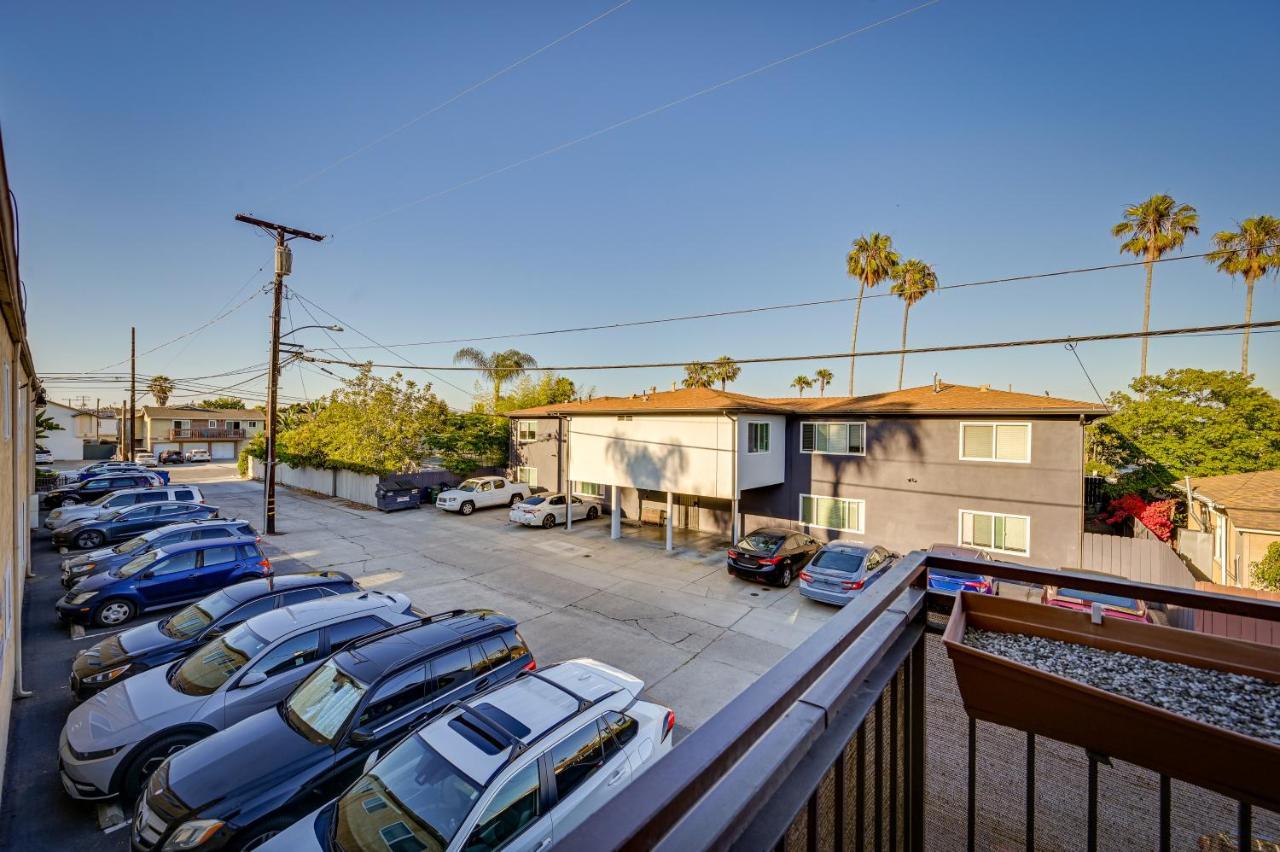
(1240, 703)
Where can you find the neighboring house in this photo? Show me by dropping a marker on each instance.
(64, 443)
(1239, 515)
(223, 432)
(905, 469)
(96, 425)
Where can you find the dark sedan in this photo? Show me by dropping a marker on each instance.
(171, 457)
(146, 646)
(771, 555)
(129, 522)
(91, 489)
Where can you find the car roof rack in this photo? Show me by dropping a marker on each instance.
(402, 628)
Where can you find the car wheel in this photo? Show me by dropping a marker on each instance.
(785, 579)
(260, 834)
(90, 539)
(548, 521)
(515, 498)
(148, 760)
(467, 507)
(113, 612)
(592, 513)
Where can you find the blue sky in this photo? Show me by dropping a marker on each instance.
(989, 137)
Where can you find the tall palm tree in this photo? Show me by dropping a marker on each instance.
(699, 374)
(912, 281)
(802, 383)
(871, 261)
(823, 377)
(1251, 253)
(498, 367)
(161, 387)
(725, 370)
(1154, 228)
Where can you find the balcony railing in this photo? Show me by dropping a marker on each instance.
(847, 743)
(210, 434)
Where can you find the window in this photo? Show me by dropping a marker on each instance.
(590, 489)
(486, 486)
(185, 561)
(181, 424)
(397, 693)
(489, 654)
(251, 551)
(342, 635)
(289, 654)
(149, 497)
(213, 424)
(527, 475)
(233, 424)
(513, 808)
(498, 483)
(248, 611)
(144, 512)
(998, 442)
(212, 532)
(757, 437)
(832, 513)
(450, 671)
(243, 529)
(527, 430)
(219, 555)
(184, 494)
(839, 439)
(518, 649)
(298, 596)
(576, 759)
(991, 531)
(624, 417)
(617, 730)
(253, 424)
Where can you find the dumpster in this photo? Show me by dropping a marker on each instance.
(397, 494)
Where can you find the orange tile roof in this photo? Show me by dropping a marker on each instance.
(922, 400)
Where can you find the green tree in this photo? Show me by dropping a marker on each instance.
(473, 440)
(912, 281)
(547, 389)
(1189, 423)
(1251, 253)
(1154, 228)
(498, 367)
(801, 384)
(699, 374)
(823, 377)
(871, 260)
(44, 425)
(223, 402)
(1266, 571)
(161, 387)
(725, 370)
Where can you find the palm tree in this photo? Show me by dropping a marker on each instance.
(823, 377)
(725, 370)
(1154, 228)
(699, 374)
(912, 281)
(161, 387)
(871, 261)
(1251, 253)
(802, 383)
(498, 367)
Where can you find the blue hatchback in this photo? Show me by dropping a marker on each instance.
(162, 578)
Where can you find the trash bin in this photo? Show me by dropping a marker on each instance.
(397, 494)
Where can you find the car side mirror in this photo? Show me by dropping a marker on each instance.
(251, 679)
(146, 575)
(360, 736)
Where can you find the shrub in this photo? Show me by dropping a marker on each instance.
(1266, 572)
(1157, 516)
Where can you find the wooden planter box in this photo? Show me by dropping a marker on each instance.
(997, 689)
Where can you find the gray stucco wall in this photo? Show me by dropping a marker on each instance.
(542, 453)
(915, 484)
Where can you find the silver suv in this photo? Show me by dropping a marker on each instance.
(111, 743)
(108, 503)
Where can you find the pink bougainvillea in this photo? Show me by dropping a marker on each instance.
(1157, 517)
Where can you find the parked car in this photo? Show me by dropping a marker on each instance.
(528, 760)
(159, 579)
(364, 698)
(146, 458)
(953, 580)
(112, 743)
(100, 468)
(148, 646)
(197, 455)
(547, 510)
(481, 492)
(1114, 606)
(171, 457)
(842, 570)
(44, 457)
(126, 523)
(76, 568)
(88, 490)
(115, 501)
(771, 555)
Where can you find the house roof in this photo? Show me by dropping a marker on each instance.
(203, 413)
(945, 399)
(1251, 500)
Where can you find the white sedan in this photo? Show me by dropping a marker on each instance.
(547, 510)
(44, 457)
(481, 492)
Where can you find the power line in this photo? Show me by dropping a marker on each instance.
(648, 113)
(1071, 347)
(960, 347)
(192, 337)
(447, 102)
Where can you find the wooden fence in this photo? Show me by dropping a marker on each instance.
(1238, 626)
(1146, 560)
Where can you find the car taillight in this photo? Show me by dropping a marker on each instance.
(531, 666)
(266, 563)
(806, 576)
(772, 560)
(668, 725)
(734, 554)
(851, 585)
(977, 585)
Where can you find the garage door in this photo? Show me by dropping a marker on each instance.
(159, 448)
(222, 450)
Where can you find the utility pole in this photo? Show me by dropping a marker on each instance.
(133, 386)
(284, 266)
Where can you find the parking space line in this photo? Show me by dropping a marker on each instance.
(83, 635)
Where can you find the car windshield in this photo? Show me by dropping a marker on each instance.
(133, 545)
(468, 485)
(212, 665)
(759, 542)
(411, 800)
(323, 703)
(190, 620)
(838, 560)
(138, 563)
(1095, 597)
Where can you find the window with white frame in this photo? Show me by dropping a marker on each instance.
(998, 442)
(527, 475)
(253, 424)
(625, 417)
(213, 424)
(182, 424)
(526, 430)
(757, 437)
(842, 439)
(995, 531)
(589, 489)
(832, 513)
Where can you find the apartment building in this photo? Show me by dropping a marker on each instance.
(940, 463)
(223, 432)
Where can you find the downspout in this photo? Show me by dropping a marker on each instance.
(19, 689)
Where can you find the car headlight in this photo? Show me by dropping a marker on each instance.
(76, 600)
(193, 833)
(93, 755)
(80, 569)
(111, 674)
(56, 513)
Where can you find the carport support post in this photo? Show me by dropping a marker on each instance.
(615, 515)
(737, 522)
(670, 511)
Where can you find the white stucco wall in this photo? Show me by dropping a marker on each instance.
(689, 454)
(758, 469)
(63, 443)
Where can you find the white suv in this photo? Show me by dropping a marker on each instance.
(480, 492)
(514, 768)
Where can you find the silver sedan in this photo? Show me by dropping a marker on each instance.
(547, 510)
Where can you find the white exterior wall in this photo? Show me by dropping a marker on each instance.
(63, 443)
(759, 469)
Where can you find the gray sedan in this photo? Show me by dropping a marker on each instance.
(111, 743)
(842, 570)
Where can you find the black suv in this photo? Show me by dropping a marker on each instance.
(91, 489)
(243, 785)
(772, 555)
(137, 649)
